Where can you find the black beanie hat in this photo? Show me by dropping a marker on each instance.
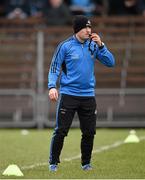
(80, 22)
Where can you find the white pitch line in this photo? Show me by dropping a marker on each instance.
(34, 165)
(142, 138)
(98, 150)
(102, 148)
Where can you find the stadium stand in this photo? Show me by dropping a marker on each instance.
(24, 67)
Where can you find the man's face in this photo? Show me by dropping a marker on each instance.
(84, 33)
(130, 3)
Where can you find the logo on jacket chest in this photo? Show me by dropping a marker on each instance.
(75, 56)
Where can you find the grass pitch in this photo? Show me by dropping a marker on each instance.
(112, 159)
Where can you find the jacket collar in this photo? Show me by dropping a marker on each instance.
(75, 38)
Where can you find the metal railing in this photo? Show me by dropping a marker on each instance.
(17, 108)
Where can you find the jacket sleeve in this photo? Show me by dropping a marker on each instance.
(105, 57)
(55, 66)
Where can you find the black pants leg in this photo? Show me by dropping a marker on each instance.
(65, 113)
(87, 117)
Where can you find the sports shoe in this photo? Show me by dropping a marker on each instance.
(53, 167)
(87, 167)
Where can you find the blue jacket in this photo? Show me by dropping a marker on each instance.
(74, 62)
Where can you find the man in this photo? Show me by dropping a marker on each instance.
(55, 9)
(75, 59)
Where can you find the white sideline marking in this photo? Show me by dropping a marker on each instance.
(103, 148)
(34, 165)
(98, 150)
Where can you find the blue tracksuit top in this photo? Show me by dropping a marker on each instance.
(74, 62)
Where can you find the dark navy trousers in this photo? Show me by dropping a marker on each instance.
(86, 110)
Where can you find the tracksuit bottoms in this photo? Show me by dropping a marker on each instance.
(86, 110)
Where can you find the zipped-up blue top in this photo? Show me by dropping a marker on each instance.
(74, 62)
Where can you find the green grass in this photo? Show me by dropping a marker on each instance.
(126, 161)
